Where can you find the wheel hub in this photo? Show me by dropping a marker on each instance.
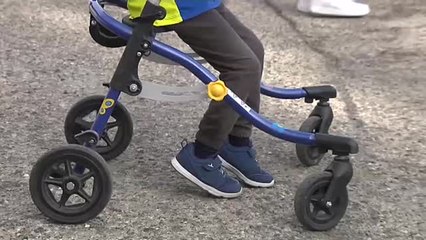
(71, 185)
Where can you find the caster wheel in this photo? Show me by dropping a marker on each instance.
(64, 195)
(312, 211)
(117, 135)
(308, 155)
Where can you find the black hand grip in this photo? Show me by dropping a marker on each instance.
(152, 13)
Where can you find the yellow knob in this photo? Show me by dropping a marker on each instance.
(217, 90)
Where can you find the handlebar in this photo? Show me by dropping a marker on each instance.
(151, 13)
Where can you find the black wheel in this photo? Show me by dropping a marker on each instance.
(310, 208)
(308, 155)
(117, 135)
(71, 184)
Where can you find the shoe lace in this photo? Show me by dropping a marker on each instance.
(222, 171)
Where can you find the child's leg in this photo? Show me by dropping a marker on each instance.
(214, 39)
(243, 128)
(211, 36)
(244, 32)
(239, 156)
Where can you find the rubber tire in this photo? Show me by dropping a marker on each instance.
(302, 151)
(119, 112)
(302, 198)
(47, 160)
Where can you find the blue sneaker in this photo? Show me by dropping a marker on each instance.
(206, 173)
(242, 162)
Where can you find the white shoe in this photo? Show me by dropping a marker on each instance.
(304, 6)
(338, 8)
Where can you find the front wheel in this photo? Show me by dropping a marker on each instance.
(65, 194)
(312, 211)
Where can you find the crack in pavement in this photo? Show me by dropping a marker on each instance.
(331, 60)
(333, 63)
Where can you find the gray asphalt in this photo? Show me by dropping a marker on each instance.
(48, 62)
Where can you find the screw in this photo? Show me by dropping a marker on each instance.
(133, 88)
(328, 204)
(139, 54)
(147, 53)
(93, 22)
(70, 186)
(92, 141)
(145, 45)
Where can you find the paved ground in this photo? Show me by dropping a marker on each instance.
(48, 62)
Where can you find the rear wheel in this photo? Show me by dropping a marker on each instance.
(310, 155)
(117, 135)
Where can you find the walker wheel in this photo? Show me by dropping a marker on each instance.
(71, 184)
(117, 135)
(311, 209)
(310, 155)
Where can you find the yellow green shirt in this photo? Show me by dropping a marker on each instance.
(177, 10)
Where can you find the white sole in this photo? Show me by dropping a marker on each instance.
(318, 10)
(244, 178)
(193, 179)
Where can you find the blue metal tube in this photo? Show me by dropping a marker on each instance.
(105, 111)
(282, 93)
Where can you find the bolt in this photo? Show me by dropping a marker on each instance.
(147, 53)
(328, 204)
(93, 22)
(70, 186)
(92, 141)
(133, 88)
(145, 45)
(139, 54)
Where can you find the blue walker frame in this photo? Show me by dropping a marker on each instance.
(126, 76)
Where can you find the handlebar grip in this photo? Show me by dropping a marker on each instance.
(152, 12)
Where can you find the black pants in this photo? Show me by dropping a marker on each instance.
(234, 51)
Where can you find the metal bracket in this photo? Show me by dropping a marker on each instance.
(89, 138)
(342, 171)
(325, 112)
(125, 78)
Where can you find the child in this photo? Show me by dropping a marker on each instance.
(215, 34)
